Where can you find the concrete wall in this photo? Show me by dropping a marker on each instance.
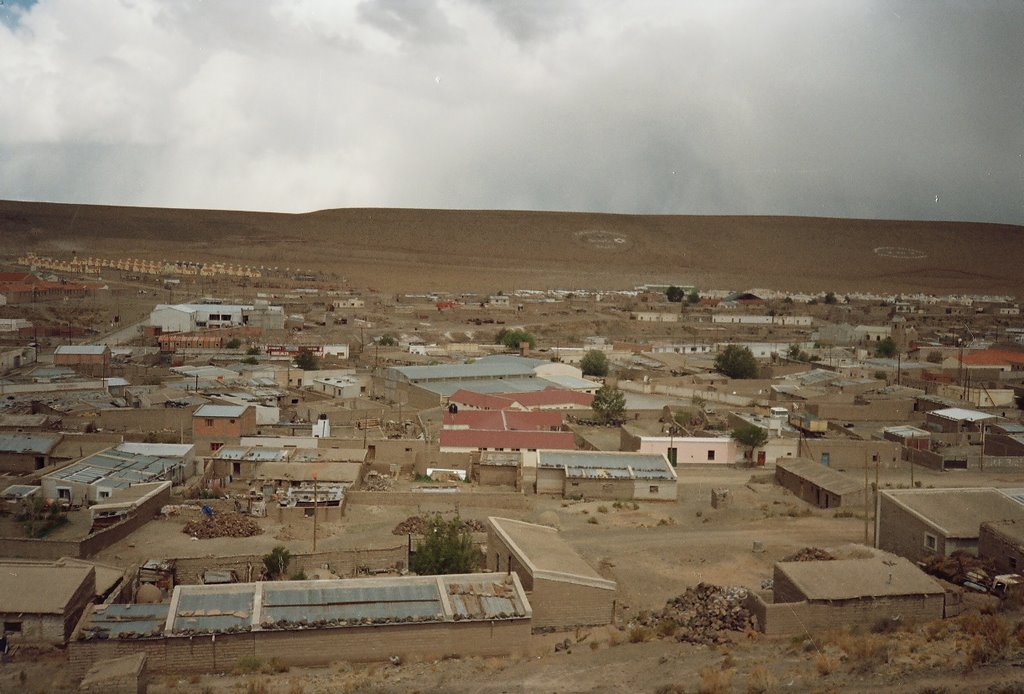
(497, 475)
(172, 419)
(993, 544)
(310, 647)
(655, 490)
(609, 490)
(850, 454)
(53, 629)
(873, 411)
(815, 495)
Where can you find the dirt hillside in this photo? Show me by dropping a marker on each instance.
(402, 249)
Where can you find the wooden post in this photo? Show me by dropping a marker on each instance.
(314, 510)
(866, 495)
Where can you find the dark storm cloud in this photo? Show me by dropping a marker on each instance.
(869, 109)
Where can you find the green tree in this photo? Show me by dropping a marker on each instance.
(693, 297)
(233, 343)
(512, 338)
(387, 341)
(609, 403)
(750, 436)
(886, 349)
(307, 361)
(934, 357)
(675, 294)
(252, 351)
(737, 362)
(275, 562)
(445, 548)
(830, 298)
(250, 360)
(594, 363)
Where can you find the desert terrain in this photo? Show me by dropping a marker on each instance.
(452, 250)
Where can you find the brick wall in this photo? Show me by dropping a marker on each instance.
(497, 475)
(993, 544)
(25, 548)
(797, 618)
(309, 647)
(564, 605)
(343, 562)
(849, 454)
(462, 499)
(903, 533)
(173, 419)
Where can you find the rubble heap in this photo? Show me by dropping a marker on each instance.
(810, 554)
(960, 567)
(376, 482)
(222, 525)
(417, 525)
(703, 614)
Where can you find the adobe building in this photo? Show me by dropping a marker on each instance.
(1002, 543)
(922, 523)
(208, 628)
(564, 591)
(498, 469)
(809, 596)
(23, 453)
(92, 359)
(606, 475)
(215, 426)
(819, 484)
(41, 601)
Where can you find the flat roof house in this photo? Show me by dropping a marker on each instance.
(214, 426)
(40, 602)
(23, 453)
(921, 523)
(606, 475)
(95, 478)
(564, 590)
(817, 595)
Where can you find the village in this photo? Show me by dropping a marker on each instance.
(222, 476)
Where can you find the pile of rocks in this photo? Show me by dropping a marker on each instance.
(703, 614)
(810, 554)
(222, 525)
(417, 525)
(376, 482)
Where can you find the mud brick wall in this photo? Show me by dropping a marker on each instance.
(996, 545)
(433, 501)
(342, 562)
(798, 618)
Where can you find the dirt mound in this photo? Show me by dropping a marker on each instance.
(810, 554)
(222, 525)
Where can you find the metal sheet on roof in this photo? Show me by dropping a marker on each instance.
(212, 612)
(128, 619)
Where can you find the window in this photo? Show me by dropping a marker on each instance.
(1013, 563)
(711, 455)
(12, 627)
(64, 493)
(930, 542)
(40, 462)
(208, 422)
(232, 421)
(236, 468)
(653, 489)
(104, 494)
(216, 445)
(575, 484)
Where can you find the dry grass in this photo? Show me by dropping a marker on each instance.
(824, 664)
(715, 680)
(640, 634)
(760, 680)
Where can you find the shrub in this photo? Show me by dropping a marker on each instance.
(275, 562)
(592, 520)
(233, 343)
(602, 509)
(714, 680)
(760, 680)
(248, 665)
(824, 664)
(640, 634)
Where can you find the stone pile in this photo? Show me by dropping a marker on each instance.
(222, 525)
(417, 525)
(376, 482)
(703, 614)
(810, 554)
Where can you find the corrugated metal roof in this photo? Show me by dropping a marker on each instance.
(220, 411)
(141, 619)
(593, 465)
(962, 414)
(28, 443)
(81, 349)
(213, 612)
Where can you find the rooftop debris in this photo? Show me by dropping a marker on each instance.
(810, 554)
(960, 567)
(376, 482)
(222, 525)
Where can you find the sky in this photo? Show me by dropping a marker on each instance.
(837, 108)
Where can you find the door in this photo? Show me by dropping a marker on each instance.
(824, 459)
(673, 453)
(761, 458)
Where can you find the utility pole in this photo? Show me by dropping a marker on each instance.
(866, 498)
(314, 510)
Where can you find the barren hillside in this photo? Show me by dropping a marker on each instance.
(401, 249)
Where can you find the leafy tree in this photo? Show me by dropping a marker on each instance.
(886, 348)
(307, 361)
(512, 338)
(387, 341)
(233, 343)
(275, 563)
(675, 294)
(796, 354)
(609, 403)
(830, 298)
(750, 436)
(446, 548)
(594, 363)
(252, 351)
(250, 360)
(788, 300)
(693, 297)
(934, 357)
(737, 362)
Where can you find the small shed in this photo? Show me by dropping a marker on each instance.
(818, 484)
(40, 601)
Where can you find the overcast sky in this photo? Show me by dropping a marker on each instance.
(844, 108)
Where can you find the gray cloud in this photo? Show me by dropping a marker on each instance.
(868, 109)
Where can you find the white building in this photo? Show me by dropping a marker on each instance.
(182, 318)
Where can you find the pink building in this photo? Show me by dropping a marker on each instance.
(690, 450)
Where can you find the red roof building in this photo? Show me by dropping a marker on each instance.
(547, 399)
(465, 440)
(503, 420)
